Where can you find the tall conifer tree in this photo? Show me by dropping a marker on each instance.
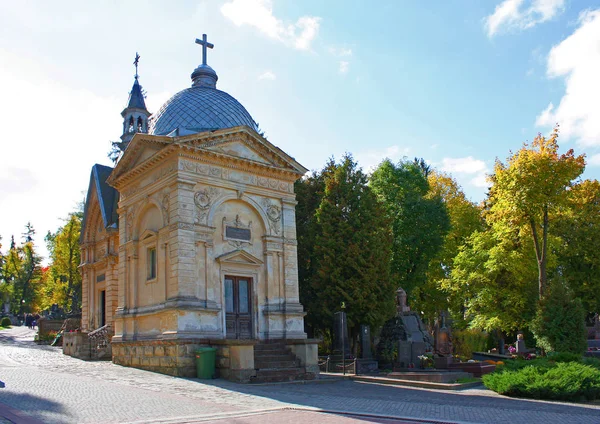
(351, 251)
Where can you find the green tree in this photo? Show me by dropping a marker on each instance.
(21, 271)
(465, 219)
(419, 222)
(529, 189)
(351, 252)
(559, 325)
(63, 275)
(495, 276)
(579, 253)
(5, 288)
(309, 193)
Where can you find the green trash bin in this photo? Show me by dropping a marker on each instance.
(205, 362)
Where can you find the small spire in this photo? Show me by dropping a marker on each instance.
(136, 97)
(204, 76)
(135, 62)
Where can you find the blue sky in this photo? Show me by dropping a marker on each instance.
(458, 83)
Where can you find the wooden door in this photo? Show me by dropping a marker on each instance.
(238, 307)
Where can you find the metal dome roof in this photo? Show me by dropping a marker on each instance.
(197, 109)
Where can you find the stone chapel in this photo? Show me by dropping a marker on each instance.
(190, 240)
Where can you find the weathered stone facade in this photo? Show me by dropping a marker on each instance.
(201, 248)
(195, 212)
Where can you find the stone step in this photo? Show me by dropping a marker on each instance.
(269, 372)
(281, 379)
(274, 357)
(281, 375)
(260, 364)
(270, 347)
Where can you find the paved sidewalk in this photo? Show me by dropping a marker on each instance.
(48, 386)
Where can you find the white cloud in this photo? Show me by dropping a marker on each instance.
(340, 51)
(47, 156)
(344, 67)
(259, 14)
(267, 75)
(370, 159)
(467, 167)
(594, 160)
(521, 14)
(577, 60)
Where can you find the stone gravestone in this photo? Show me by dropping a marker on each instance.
(520, 345)
(404, 354)
(341, 344)
(340, 334)
(366, 364)
(417, 349)
(365, 342)
(411, 324)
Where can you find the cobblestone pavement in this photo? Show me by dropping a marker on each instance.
(54, 388)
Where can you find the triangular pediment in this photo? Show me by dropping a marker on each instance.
(140, 150)
(240, 257)
(240, 150)
(245, 144)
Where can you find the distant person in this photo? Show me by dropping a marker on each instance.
(28, 320)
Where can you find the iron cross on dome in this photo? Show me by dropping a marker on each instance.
(204, 43)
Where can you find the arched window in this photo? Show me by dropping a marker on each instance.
(140, 124)
(130, 129)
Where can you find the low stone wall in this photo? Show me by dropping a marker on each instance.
(171, 357)
(307, 350)
(46, 326)
(77, 345)
(235, 359)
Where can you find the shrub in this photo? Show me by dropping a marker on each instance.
(5, 322)
(559, 324)
(47, 337)
(468, 341)
(544, 379)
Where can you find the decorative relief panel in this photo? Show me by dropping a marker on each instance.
(236, 233)
(196, 168)
(203, 199)
(129, 224)
(273, 212)
(165, 207)
(236, 176)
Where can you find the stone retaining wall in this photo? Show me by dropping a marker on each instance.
(76, 344)
(169, 357)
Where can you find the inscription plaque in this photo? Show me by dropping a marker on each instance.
(238, 233)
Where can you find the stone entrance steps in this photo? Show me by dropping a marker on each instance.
(275, 363)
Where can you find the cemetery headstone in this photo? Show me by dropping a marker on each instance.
(366, 364)
(404, 354)
(341, 345)
(365, 342)
(417, 349)
(520, 344)
(443, 339)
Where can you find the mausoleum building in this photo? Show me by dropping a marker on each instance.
(191, 240)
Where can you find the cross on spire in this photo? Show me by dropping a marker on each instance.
(204, 43)
(136, 62)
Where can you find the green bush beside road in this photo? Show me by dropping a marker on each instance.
(559, 377)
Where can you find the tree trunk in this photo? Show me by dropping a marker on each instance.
(541, 250)
(543, 278)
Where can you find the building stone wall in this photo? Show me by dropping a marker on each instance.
(186, 201)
